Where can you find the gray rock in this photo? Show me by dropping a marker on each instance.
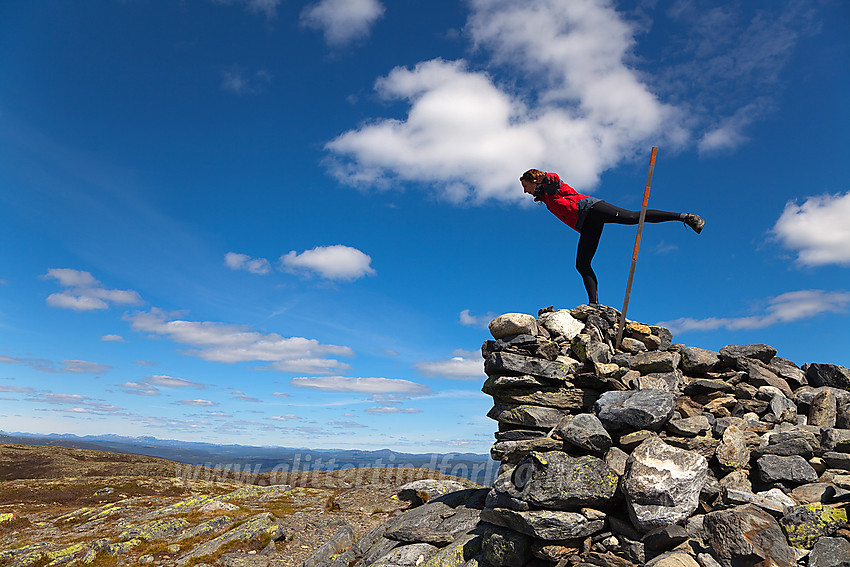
(616, 458)
(784, 409)
(744, 535)
(702, 386)
(804, 524)
(644, 409)
(795, 469)
(737, 480)
(774, 501)
(837, 460)
(662, 484)
(526, 415)
(785, 448)
(561, 323)
(506, 548)
(760, 352)
(830, 552)
(437, 538)
(761, 375)
(514, 451)
(823, 409)
(513, 324)
(659, 381)
(698, 360)
(836, 440)
(586, 432)
(655, 361)
(828, 375)
(558, 481)
(788, 371)
(816, 492)
(519, 435)
(407, 556)
(689, 426)
(544, 524)
(509, 363)
(573, 399)
(421, 491)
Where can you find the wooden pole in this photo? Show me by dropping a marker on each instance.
(637, 247)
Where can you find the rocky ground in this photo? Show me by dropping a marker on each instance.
(153, 517)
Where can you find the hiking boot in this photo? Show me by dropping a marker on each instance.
(695, 222)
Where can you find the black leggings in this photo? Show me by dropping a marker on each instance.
(591, 231)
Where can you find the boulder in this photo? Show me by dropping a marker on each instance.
(830, 552)
(655, 361)
(421, 491)
(561, 323)
(584, 431)
(513, 324)
(509, 363)
(764, 353)
(827, 375)
(557, 481)
(526, 415)
(805, 524)
(794, 469)
(698, 361)
(746, 535)
(662, 484)
(544, 524)
(644, 409)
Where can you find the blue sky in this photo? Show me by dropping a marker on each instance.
(279, 222)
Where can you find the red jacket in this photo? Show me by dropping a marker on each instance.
(561, 199)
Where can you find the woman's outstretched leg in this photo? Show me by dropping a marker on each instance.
(606, 212)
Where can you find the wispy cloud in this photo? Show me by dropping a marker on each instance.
(112, 338)
(197, 403)
(362, 385)
(818, 230)
(342, 21)
(337, 262)
(268, 8)
(785, 308)
(85, 293)
(287, 417)
(382, 410)
(470, 320)
(81, 403)
(465, 365)
(244, 262)
(72, 366)
(240, 82)
(219, 342)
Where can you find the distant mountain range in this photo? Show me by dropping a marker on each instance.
(476, 467)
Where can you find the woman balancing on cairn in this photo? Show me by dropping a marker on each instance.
(588, 216)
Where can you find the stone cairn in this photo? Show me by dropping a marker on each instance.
(652, 454)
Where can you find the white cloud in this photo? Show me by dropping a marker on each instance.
(268, 8)
(171, 382)
(337, 262)
(83, 367)
(85, 293)
(378, 410)
(112, 338)
(584, 111)
(342, 21)
(785, 308)
(287, 417)
(219, 342)
(244, 262)
(197, 403)
(363, 385)
(729, 134)
(818, 230)
(91, 405)
(239, 82)
(466, 318)
(464, 366)
(139, 388)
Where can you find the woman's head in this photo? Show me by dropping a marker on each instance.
(530, 179)
(533, 175)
